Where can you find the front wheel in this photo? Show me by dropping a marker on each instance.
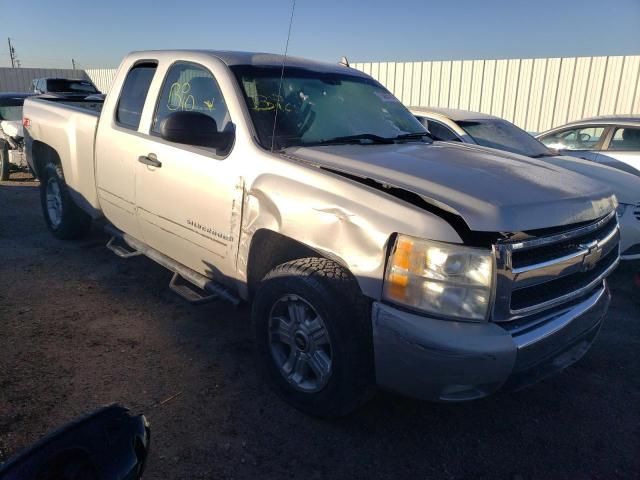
(313, 335)
(62, 216)
(4, 162)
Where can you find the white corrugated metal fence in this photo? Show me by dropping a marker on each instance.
(536, 94)
(19, 79)
(102, 77)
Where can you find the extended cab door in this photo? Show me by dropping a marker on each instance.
(189, 204)
(118, 143)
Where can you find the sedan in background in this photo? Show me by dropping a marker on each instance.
(445, 124)
(613, 141)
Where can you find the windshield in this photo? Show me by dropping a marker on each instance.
(321, 108)
(500, 134)
(62, 86)
(11, 114)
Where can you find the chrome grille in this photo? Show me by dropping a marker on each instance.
(540, 273)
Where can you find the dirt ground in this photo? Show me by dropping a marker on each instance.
(80, 328)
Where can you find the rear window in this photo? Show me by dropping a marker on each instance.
(58, 85)
(133, 95)
(503, 135)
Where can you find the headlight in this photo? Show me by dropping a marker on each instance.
(622, 207)
(445, 279)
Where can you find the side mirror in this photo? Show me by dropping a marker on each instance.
(109, 444)
(195, 128)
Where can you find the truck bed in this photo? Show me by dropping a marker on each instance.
(68, 128)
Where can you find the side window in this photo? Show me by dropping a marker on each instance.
(190, 87)
(583, 138)
(133, 94)
(441, 131)
(625, 139)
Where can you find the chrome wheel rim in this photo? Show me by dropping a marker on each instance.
(300, 344)
(54, 202)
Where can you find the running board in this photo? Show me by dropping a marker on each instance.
(120, 250)
(188, 291)
(183, 276)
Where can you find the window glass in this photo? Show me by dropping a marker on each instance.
(440, 132)
(625, 139)
(192, 88)
(133, 94)
(11, 114)
(583, 138)
(60, 85)
(503, 135)
(320, 107)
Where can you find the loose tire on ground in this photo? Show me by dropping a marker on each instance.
(62, 216)
(333, 334)
(4, 162)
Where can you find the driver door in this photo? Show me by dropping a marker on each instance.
(189, 203)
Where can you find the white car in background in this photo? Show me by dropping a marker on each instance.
(446, 124)
(11, 133)
(612, 140)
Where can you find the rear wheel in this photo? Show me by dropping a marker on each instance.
(4, 162)
(62, 216)
(313, 335)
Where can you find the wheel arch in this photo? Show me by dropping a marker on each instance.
(269, 249)
(43, 153)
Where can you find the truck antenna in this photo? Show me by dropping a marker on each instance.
(284, 58)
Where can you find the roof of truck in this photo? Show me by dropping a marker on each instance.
(262, 59)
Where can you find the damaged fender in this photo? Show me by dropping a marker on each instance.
(343, 220)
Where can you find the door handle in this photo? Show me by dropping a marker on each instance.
(150, 160)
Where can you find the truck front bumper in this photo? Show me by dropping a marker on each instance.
(443, 360)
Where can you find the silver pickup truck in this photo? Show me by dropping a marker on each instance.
(371, 254)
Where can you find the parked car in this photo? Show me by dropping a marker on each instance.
(494, 132)
(371, 254)
(66, 87)
(11, 133)
(613, 140)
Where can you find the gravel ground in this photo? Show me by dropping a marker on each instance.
(80, 328)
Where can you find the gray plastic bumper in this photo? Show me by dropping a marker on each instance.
(444, 360)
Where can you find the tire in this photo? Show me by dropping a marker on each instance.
(62, 216)
(4, 162)
(339, 341)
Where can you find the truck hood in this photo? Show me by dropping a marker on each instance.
(12, 128)
(492, 191)
(625, 186)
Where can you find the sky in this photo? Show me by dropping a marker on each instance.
(98, 33)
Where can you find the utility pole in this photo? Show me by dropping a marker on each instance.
(12, 53)
(73, 63)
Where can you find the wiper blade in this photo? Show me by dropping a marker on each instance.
(418, 135)
(354, 139)
(541, 155)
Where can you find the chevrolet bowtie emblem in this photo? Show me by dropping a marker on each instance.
(593, 256)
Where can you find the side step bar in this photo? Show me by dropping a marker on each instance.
(121, 250)
(190, 278)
